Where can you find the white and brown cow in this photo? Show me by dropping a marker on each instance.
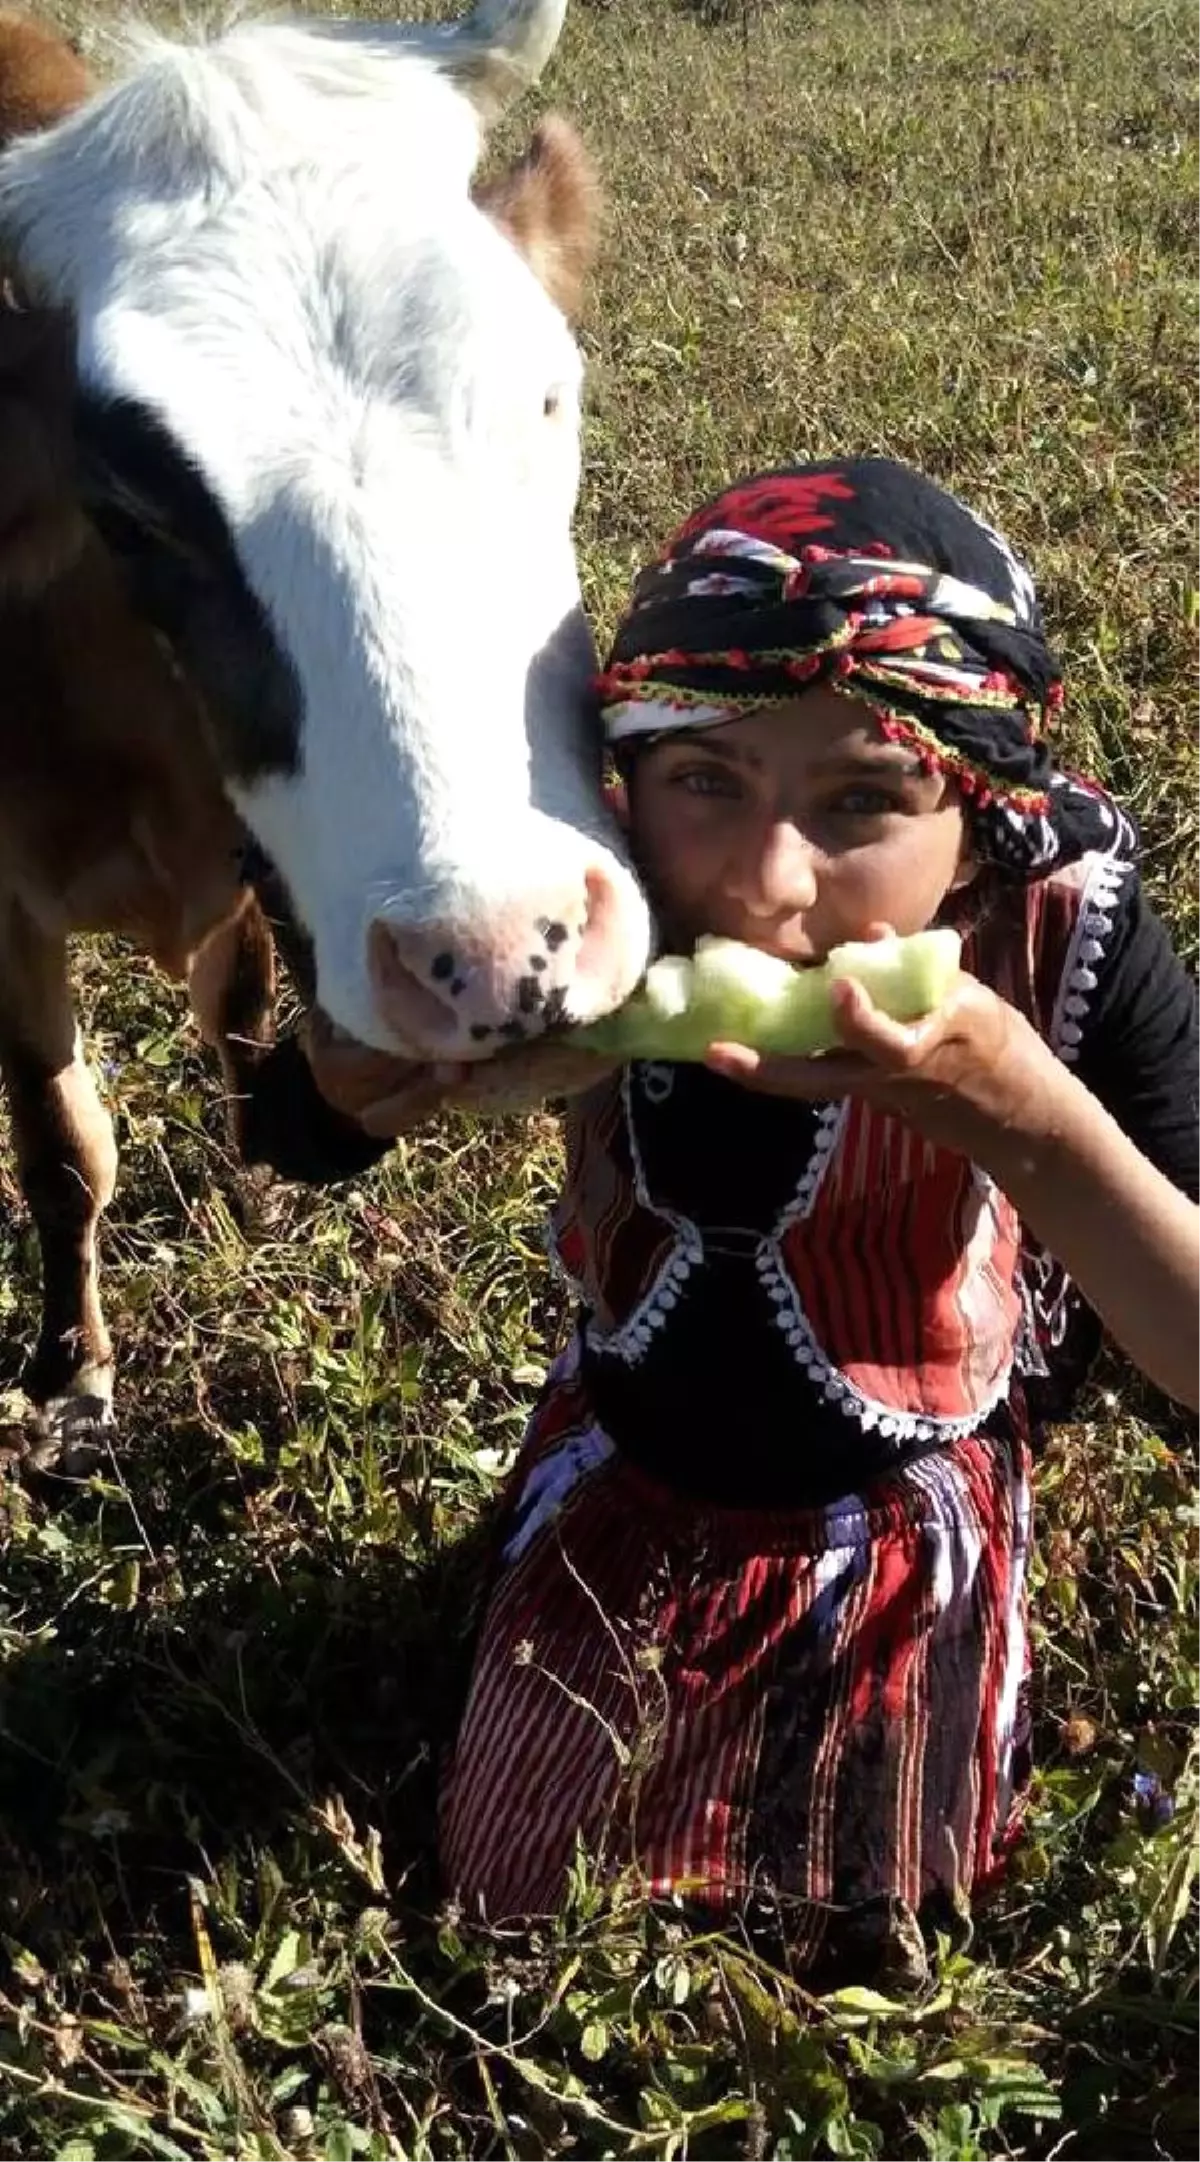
(291, 548)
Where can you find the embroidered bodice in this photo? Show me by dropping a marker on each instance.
(778, 1301)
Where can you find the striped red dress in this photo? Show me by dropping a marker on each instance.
(755, 1626)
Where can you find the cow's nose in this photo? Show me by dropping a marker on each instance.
(467, 986)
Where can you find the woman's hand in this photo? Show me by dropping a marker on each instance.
(976, 1077)
(390, 1096)
(973, 1076)
(355, 1079)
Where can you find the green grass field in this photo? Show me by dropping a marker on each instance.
(964, 236)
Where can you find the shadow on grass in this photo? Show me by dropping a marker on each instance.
(267, 1706)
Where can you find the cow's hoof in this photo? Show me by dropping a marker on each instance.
(259, 1202)
(71, 1434)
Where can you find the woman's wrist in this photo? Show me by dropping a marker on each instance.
(1046, 1104)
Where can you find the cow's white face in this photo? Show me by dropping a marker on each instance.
(330, 418)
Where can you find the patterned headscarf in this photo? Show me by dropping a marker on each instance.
(863, 574)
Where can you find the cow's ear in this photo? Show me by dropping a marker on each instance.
(42, 77)
(549, 206)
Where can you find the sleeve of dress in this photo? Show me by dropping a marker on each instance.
(1138, 1050)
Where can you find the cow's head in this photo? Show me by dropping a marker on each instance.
(329, 413)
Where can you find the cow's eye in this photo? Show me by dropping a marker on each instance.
(552, 404)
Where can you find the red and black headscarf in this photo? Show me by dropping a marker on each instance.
(864, 574)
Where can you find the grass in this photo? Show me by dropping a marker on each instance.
(965, 237)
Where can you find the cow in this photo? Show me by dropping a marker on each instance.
(289, 556)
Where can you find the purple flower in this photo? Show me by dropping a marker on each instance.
(1154, 1808)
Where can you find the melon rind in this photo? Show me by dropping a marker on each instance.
(736, 994)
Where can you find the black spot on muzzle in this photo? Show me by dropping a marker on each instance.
(153, 509)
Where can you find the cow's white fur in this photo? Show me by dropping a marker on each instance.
(269, 242)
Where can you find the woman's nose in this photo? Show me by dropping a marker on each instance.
(778, 877)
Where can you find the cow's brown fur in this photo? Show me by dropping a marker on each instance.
(112, 819)
(42, 80)
(41, 526)
(112, 815)
(548, 204)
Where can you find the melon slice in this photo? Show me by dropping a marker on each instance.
(732, 993)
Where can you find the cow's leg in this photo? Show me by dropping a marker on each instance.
(231, 985)
(66, 1163)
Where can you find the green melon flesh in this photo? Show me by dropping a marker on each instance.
(732, 993)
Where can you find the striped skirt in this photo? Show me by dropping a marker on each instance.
(820, 1711)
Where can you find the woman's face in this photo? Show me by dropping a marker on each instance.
(794, 828)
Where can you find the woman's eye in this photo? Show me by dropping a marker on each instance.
(864, 803)
(704, 781)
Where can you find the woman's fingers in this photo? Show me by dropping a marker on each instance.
(864, 1027)
(520, 1080)
(388, 1095)
(427, 1090)
(869, 1041)
(811, 1079)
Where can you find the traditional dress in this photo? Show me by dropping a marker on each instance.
(755, 1622)
(757, 1613)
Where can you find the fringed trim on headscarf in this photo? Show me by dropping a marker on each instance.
(644, 705)
(975, 781)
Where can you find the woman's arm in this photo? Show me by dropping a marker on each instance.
(977, 1077)
(1128, 1237)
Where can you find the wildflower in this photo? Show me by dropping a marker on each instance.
(1155, 1809)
